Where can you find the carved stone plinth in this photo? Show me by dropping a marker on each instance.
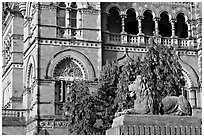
(155, 125)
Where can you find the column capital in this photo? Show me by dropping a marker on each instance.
(189, 21)
(173, 20)
(140, 17)
(156, 18)
(68, 9)
(123, 14)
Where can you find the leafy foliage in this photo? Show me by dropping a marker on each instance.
(113, 94)
(106, 94)
(81, 114)
(161, 76)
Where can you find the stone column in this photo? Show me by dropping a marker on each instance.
(123, 16)
(67, 17)
(67, 32)
(156, 20)
(189, 28)
(139, 18)
(123, 33)
(192, 97)
(79, 13)
(173, 21)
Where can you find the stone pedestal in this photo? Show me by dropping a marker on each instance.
(155, 125)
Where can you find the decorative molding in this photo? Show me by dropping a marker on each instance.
(46, 7)
(90, 11)
(10, 67)
(17, 36)
(144, 50)
(130, 49)
(53, 124)
(69, 67)
(69, 43)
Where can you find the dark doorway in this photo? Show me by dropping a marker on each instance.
(181, 27)
(164, 25)
(148, 23)
(131, 24)
(114, 21)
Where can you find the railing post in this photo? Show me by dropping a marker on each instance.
(106, 36)
(123, 38)
(141, 39)
(123, 33)
(140, 25)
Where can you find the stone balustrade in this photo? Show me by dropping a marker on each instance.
(142, 40)
(13, 113)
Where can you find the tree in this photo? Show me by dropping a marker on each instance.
(162, 75)
(80, 110)
(105, 95)
(113, 94)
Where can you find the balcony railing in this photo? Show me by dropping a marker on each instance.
(13, 113)
(142, 40)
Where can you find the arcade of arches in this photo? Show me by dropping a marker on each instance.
(147, 24)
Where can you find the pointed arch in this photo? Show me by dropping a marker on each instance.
(30, 65)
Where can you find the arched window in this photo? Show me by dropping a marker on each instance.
(114, 21)
(164, 25)
(73, 14)
(61, 14)
(65, 71)
(148, 23)
(131, 24)
(180, 26)
(30, 76)
(30, 80)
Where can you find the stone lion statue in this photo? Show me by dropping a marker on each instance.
(170, 105)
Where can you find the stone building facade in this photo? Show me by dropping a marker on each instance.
(46, 45)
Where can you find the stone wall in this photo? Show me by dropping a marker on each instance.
(13, 126)
(155, 125)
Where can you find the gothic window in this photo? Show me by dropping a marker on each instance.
(73, 15)
(65, 71)
(30, 80)
(114, 21)
(164, 25)
(148, 23)
(61, 14)
(30, 76)
(181, 27)
(131, 24)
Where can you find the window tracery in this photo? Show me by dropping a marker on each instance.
(68, 68)
(66, 71)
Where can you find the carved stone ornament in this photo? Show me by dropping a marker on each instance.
(52, 124)
(68, 68)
